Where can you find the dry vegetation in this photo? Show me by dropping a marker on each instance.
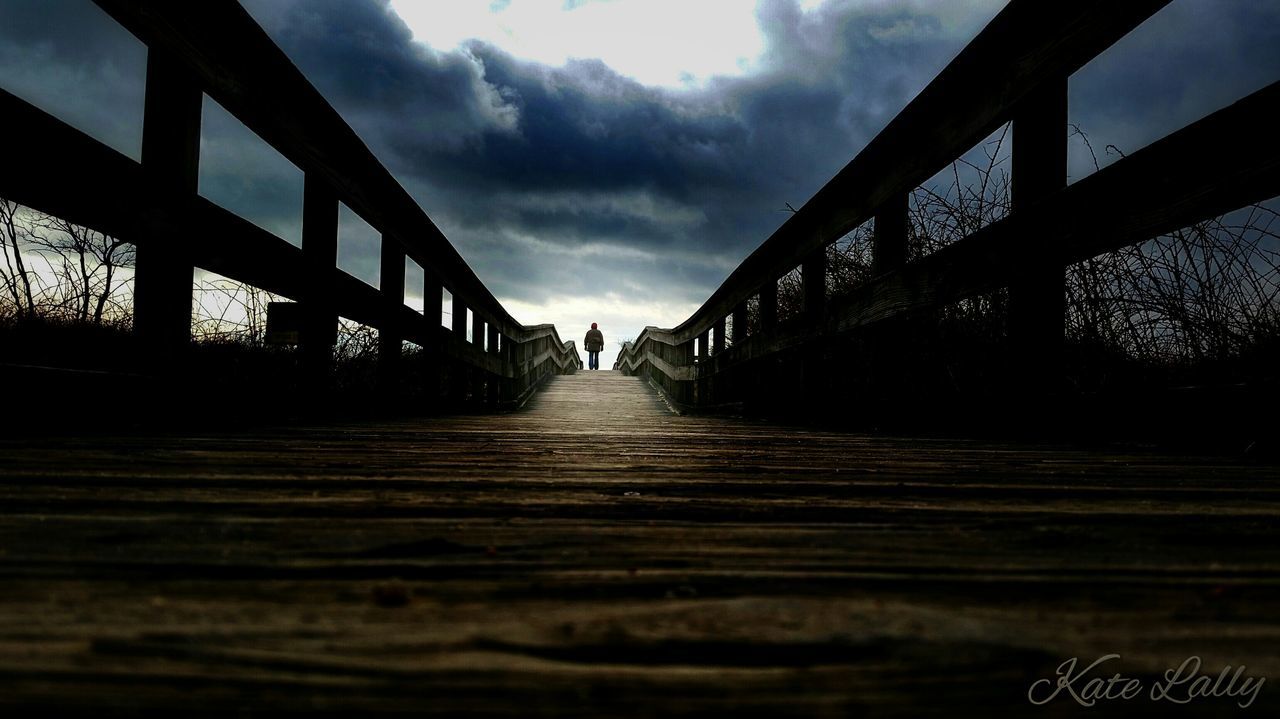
(1199, 305)
(66, 302)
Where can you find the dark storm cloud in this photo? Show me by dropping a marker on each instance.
(363, 58)
(503, 151)
(72, 60)
(575, 179)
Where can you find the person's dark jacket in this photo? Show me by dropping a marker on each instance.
(594, 341)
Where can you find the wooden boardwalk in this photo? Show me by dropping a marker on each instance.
(595, 555)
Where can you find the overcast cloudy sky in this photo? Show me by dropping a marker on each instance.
(613, 160)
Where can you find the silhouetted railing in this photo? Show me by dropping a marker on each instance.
(217, 49)
(1015, 70)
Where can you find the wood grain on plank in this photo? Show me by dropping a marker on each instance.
(594, 555)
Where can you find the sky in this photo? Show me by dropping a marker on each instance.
(612, 161)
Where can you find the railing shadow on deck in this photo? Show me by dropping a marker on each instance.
(853, 354)
(219, 50)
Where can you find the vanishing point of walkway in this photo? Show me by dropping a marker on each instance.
(594, 554)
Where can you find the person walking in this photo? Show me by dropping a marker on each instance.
(594, 343)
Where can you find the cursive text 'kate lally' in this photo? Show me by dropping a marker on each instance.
(1180, 686)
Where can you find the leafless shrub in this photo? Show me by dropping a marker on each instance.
(849, 260)
(1205, 293)
(356, 342)
(56, 270)
(976, 195)
(229, 312)
(15, 275)
(790, 295)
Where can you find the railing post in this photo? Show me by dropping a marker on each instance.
(888, 350)
(515, 361)
(764, 374)
(715, 381)
(769, 307)
(477, 373)
(460, 378)
(813, 276)
(1037, 300)
(390, 334)
(432, 312)
(319, 258)
(704, 368)
(739, 322)
(494, 385)
(889, 251)
(686, 353)
(170, 160)
(544, 343)
(730, 382)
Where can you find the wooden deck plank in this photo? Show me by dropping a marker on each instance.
(594, 554)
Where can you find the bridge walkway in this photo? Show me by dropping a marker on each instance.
(594, 554)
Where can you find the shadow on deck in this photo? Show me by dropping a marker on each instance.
(595, 555)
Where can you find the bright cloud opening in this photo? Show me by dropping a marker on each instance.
(671, 43)
(619, 318)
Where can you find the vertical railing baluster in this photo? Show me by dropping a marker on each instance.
(460, 377)
(889, 250)
(164, 271)
(763, 374)
(1037, 300)
(319, 258)
(493, 388)
(704, 368)
(769, 308)
(479, 375)
(813, 277)
(390, 334)
(888, 364)
(432, 314)
(717, 349)
(740, 323)
(686, 353)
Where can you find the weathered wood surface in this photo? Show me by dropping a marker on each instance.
(595, 555)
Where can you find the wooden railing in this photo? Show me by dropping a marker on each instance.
(1016, 71)
(216, 48)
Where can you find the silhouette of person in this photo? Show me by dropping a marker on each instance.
(594, 342)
